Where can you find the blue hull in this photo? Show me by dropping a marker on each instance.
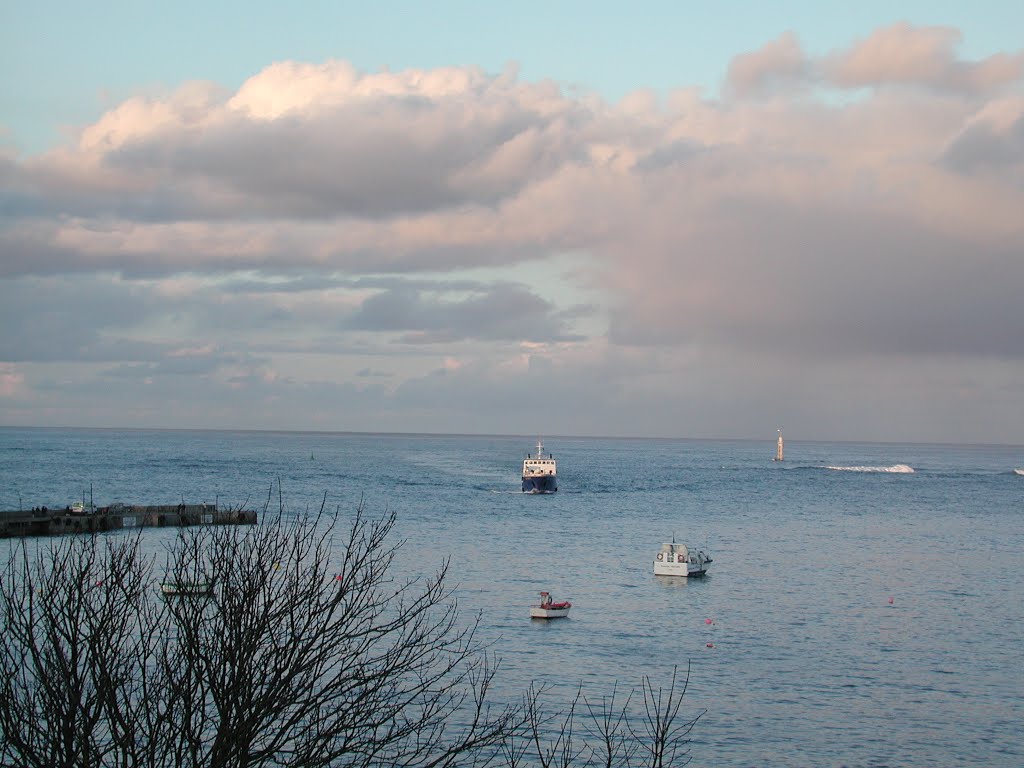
(545, 484)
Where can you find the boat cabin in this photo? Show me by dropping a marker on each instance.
(671, 552)
(539, 465)
(676, 559)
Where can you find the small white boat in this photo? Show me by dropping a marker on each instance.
(195, 588)
(679, 560)
(548, 609)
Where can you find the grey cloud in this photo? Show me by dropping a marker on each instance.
(673, 154)
(176, 363)
(398, 155)
(831, 283)
(500, 312)
(983, 148)
(93, 320)
(284, 283)
(27, 248)
(60, 319)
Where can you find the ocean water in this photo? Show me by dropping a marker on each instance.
(865, 606)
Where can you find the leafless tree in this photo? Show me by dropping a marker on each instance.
(308, 650)
(76, 620)
(614, 735)
(311, 653)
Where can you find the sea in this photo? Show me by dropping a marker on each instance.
(864, 607)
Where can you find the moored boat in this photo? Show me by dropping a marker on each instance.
(539, 472)
(195, 588)
(549, 609)
(679, 560)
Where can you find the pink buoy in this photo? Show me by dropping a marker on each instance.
(711, 645)
(707, 621)
(890, 601)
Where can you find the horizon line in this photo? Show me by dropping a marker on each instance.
(498, 434)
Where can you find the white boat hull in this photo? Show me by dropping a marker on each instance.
(684, 569)
(676, 559)
(536, 612)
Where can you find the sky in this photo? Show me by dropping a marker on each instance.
(661, 219)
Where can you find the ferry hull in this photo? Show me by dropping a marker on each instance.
(540, 484)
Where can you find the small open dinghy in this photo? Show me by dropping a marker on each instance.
(548, 609)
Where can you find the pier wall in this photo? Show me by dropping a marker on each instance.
(50, 522)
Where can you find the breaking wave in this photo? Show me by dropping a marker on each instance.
(901, 469)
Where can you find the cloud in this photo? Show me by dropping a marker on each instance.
(11, 381)
(991, 142)
(780, 63)
(495, 312)
(918, 55)
(304, 141)
(901, 54)
(399, 238)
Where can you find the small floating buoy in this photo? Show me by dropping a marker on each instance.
(890, 601)
(710, 645)
(707, 621)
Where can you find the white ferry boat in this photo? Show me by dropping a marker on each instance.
(539, 472)
(679, 560)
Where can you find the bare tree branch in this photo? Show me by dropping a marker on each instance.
(309, 651)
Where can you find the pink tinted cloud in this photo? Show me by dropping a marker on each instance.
(919, 55)
(779, 63)
(698, 217)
